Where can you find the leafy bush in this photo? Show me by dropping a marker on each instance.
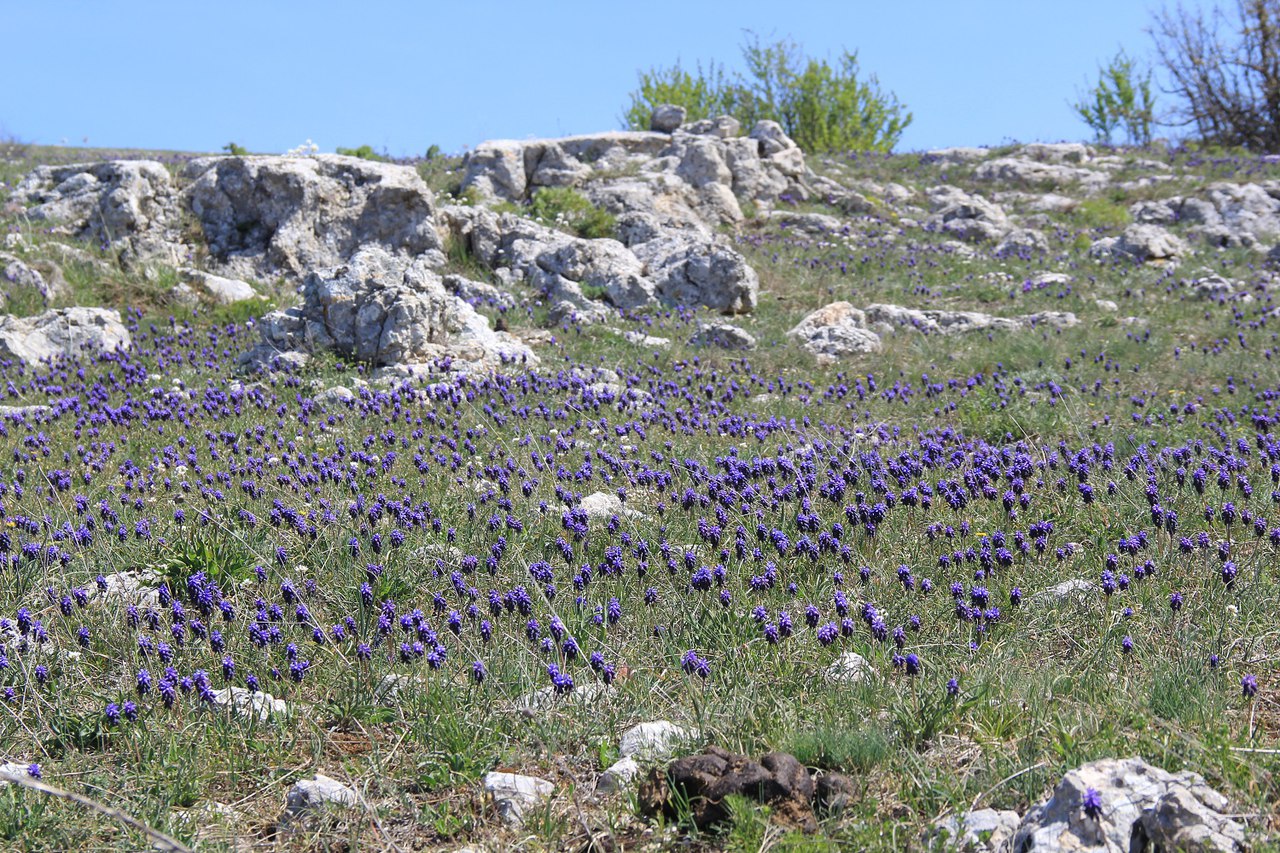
(566, 208)
(821, 106)
(1120, 99)
(235, 150)
(364, 152)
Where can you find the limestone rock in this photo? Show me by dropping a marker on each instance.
(1076, 589)
(834, 331)
(666, 118)
(515, 795)
(545, 698)
(381, 309)
(16, 276)
(264, 217)
(618, 776)
(129, 205)
(849, 668)
(724, 336)
(955, 156)
(601, 506)
(62, 332)
(310, 795)
(250, 704)
(978, 831)
(692, 273)
(1140, 802)
(223, 291)
(1022, 240)
(1149, 243)
(653, 740)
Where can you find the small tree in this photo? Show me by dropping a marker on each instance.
(821, 107)
(1227, 89)
(1121, 98)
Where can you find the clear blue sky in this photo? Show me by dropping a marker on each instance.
(402, 76)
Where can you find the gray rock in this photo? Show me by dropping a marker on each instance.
(1213, 287)
(1023, 170)
(264, 217)
(967, 216)
(129, 205)
(722, 127)
(62, 332)
(223, 291)
(933, 321)
(643, 340)
(1145, 243)
(478, 292)
(384, 310)
(666, 118)
(311, 795)
(600, 506)
(10, 770)
(16, 275)
(546, 698)
(618, 776)
(1057, 152)
(336, 396)
(693, 273)
(515, 796)
(723, 336)
(24, 413)
(1078, 590)
(772, 138)
(653, 741)
(813, 224)
(1140, 803)
(1022, 240)
(250, 704)
(978, 831)
(849, 668)
(957, 155)
(1181, 820)
(835, 331)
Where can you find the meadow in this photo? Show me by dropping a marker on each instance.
(404, 565)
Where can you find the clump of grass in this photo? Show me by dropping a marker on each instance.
(570, 210)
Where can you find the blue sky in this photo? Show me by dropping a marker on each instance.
(403, 76)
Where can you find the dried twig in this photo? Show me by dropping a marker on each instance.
(162, 841)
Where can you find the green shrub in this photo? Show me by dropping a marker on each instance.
(821, 106)
(235, 150)
(364, 152)
(1120, 99)
(568, 209)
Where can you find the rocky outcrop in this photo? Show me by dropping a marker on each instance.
(583, 278)
(264, 217)
(835, 331)
(839, 329)
(130, 205)
(62, 332)
(1228, 214)
(1142, 243)
(383, 310)
(19, 277)
(1024, 170)
(688, 173)
(1128, 804)
(966, 216)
